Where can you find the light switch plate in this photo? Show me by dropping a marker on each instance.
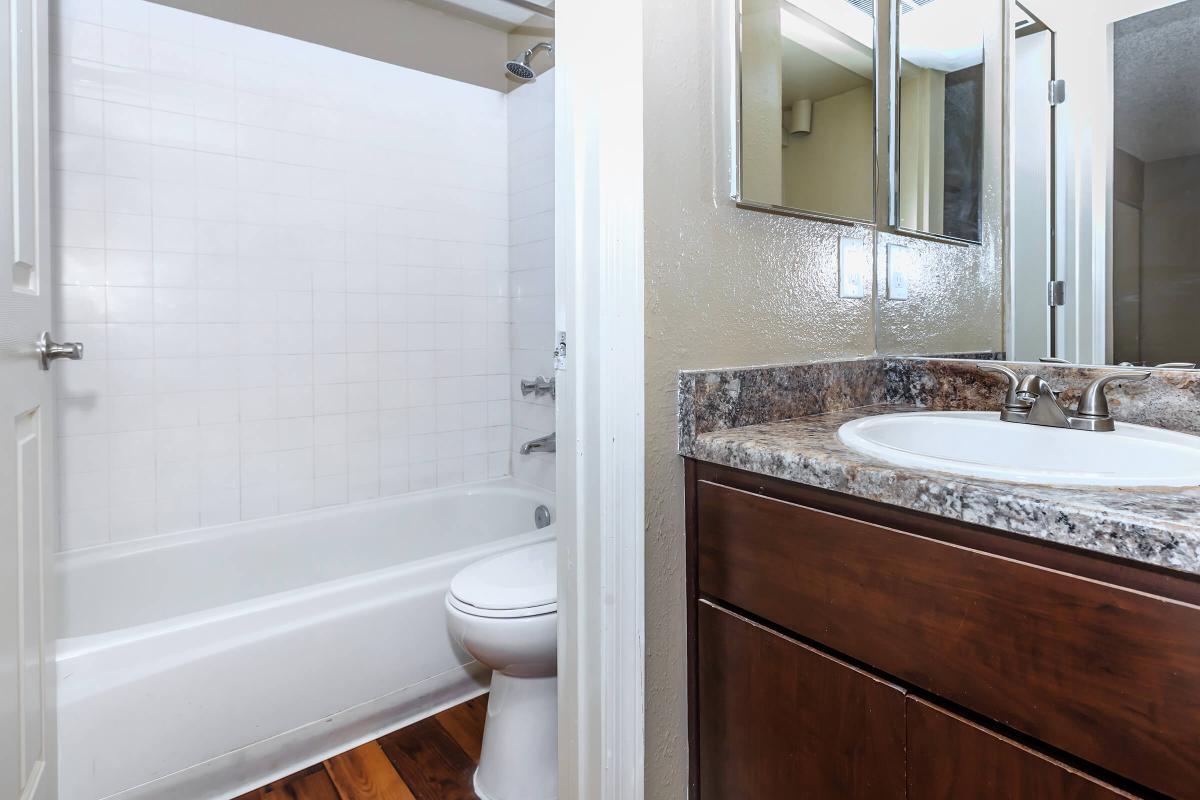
(852, 267)
(900, 262)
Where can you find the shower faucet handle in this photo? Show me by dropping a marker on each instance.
(537, 387)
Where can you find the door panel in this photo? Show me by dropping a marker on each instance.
(27, 503)
(778, 719)
(30, 591)
(1032, 208)
(950, 758)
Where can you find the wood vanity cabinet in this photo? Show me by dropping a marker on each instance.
(839, 648)
(773, 709)
(951, 757)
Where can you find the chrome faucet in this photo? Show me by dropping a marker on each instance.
(1030, 400)
(544, 444)
(538, 387)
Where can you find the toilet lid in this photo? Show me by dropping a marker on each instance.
(526, 577)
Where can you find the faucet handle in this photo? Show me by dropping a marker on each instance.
(1010, 398)
(1094, 403)
(538, 387)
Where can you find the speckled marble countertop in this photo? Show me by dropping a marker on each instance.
(1153, 526)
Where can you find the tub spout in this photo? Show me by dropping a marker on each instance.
(545, 444)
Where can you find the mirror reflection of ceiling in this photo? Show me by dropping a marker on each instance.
(827, 44)
(823, 49)
(1156, 87)
(945, 35)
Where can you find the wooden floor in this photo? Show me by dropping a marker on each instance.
(433, 759)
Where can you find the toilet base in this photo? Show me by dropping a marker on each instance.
(519, 760)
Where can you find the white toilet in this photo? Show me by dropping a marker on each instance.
(503, 611)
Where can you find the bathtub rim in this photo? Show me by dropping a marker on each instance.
(105, 551)
(82, 645)
(88, 644)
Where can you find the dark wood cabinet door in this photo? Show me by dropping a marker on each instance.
(950, 758)
(1108, 674)
(778, 719)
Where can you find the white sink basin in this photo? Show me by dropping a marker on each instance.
(978, 444)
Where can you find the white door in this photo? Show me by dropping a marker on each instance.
(1032, 202)
(27, 502)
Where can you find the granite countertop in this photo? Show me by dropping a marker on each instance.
(1159, 526)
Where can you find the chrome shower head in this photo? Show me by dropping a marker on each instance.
(519, 69)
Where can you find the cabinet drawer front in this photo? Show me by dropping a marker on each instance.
(951, 758)
(1109, 674)
(780, 719)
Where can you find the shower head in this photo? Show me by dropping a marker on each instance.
(519, 69)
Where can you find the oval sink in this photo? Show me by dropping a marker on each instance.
(978, 444)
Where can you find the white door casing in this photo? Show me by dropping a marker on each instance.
(27, 503)
(599, 245)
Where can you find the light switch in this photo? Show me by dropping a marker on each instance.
(900, 263)
(852, 267)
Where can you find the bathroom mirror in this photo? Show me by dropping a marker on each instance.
(806, 107)
(940, 111)
(1106, 197)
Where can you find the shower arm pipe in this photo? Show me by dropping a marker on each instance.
(545, 11)
(531, 52)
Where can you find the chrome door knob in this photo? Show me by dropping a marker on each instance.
(50, 350)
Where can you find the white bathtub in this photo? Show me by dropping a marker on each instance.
(206, 663)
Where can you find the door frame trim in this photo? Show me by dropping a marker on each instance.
(599, 303)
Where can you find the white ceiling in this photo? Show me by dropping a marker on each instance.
(809, 76)
(820, 52)
(494, 13)
(1156, 82)
(946, 36)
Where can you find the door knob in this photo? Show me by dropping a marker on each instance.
(50, 350)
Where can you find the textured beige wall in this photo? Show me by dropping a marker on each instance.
(724, 287)
(955, 300)
(397, 31)
(956, 295)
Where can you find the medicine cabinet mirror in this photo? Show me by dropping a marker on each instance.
(806, 107)
(940, 111)
(1106, 195)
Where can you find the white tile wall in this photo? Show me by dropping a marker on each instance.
(531, 266)
(289, 266)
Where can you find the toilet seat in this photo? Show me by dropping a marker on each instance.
(495, 613)
(522, 582)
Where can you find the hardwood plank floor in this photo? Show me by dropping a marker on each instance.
(433, 759)
(463, 722)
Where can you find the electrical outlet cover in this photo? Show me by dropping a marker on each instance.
(852, 267)
(900, 261)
